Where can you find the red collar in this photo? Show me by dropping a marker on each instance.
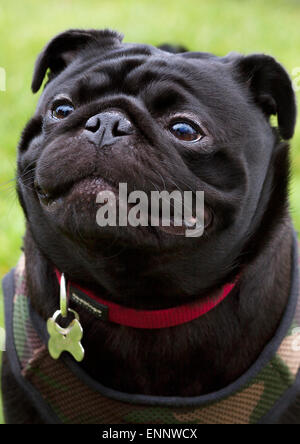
(145, 319)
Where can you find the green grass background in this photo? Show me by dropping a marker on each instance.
(217, 26)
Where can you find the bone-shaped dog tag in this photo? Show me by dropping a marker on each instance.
(65, 339)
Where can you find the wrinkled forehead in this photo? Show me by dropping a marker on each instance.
(138, 70)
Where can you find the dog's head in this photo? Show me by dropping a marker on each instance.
(116, 113)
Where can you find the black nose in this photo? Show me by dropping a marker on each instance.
(104, 128)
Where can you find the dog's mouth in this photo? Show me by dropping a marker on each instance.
(83, 196)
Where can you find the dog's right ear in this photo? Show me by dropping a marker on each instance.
(65, 47)
(271, 89)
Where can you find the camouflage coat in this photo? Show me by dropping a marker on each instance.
(63, 393)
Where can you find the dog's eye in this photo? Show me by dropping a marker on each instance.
(186, 132)
(62, 111)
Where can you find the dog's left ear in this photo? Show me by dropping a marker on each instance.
(65, 47)
(271, 88)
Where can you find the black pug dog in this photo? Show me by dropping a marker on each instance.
(112, 113)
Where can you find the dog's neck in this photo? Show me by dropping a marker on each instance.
(191, 359)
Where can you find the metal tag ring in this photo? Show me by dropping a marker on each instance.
(61, 330)
(63, 299)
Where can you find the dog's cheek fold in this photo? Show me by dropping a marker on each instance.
(32, 129)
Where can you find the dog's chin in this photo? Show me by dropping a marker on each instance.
(73, 211)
